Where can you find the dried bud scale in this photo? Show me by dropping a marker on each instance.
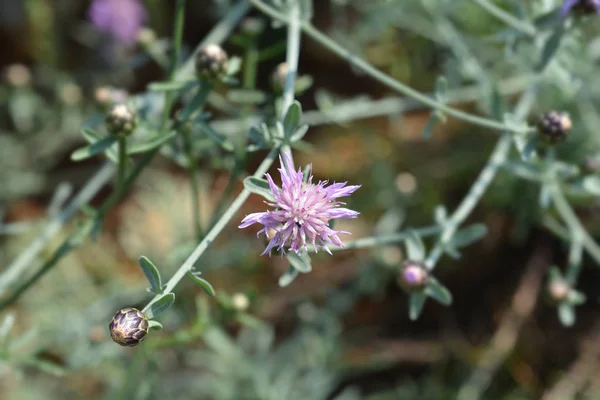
(558, 290)
(121, 121)
(279, 77)
(414, 276)
(129, 327)
(211, 62)
(554, 126)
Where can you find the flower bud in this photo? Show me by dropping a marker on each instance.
(128, 327)
(120, 121)
(414, 276)
(554, 126)
(586, 6)
(211, 62)
(279, 77)
(17, 75)
(240, 302)
(558, 290)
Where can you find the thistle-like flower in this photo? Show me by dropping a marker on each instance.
(303, 211)
(582, 6)
(123, 19)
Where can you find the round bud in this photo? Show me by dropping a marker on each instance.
(558, 290)
(240, 302)
(129, 327)
(279, 77)
(120, 121)
(586, 7)
(554, 126)
(211, 62)
(17, 75)
(414, 276)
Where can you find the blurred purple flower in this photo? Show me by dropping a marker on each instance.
(303, 211)
(584, 6)
(120, 18)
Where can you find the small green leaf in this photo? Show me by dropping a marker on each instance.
(469, 235)
(204, 284)
(217, 137)
(196, 103)
(247, 96)
(440, 215)
(260, 187)
(435, 118)
(92, 137)
(152, 274)
(441, 88)
(154, 325)
(591, 184)
(576, 298)
(151, 144)
(301, 263)
(416, 301)
(162, 304)
(234, 65)
(306, 174)
(415, 249)
(299, 133)
(288, 277)
(551, 46)
(93, 149)
(171, 86)
(554, 273)
(291, 121)
(566, 314)
(438, 292)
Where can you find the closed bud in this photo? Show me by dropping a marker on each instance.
(279, 77)
(414, 276)
(558, 290)
(240, 302)
(554, 126)
(129, 327)
(211, 62)
(120, 121)
(586, 6)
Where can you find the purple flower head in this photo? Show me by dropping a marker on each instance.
(120, 18)
(302, 211)
(583, 6)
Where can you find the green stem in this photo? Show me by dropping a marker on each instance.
(477, 190)
(575, 255)
(507, 18)
(385, 79)
(215, 230)
(374, 241)
(120, 187)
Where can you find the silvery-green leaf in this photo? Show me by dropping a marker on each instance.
(545, 197)
(415, 249)
(246, 96)
(260, 187)
(468, 235)
(435, 118)
(233, 65)
(151, 143)
(591, 184)
(301, 263)
(576, 298)
(162, 304)
(96, 148)
(217, 137)
(440, 215)
(291, 121)
(299, 133)
(288, 277)
(204, 284)
(554, 273)
(92, 136)
(154, 325)
(551, 46)
(416, 301)
(438, 292)
(441, 88)
(152, 274)
(566, 314)
(171, 85)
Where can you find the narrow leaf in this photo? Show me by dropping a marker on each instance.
(566, 314)
(551, 46)
(162, 304)
(217, 137)
(152, 143)
(92, 137)
(170, 86)
(469, 235)
(152, 274)
(415, 248)
(438, 292)
(300, 263)
(299, 133)
(288, 277)
(416, 302)
(154, 325)
(204, 284)
(260, 187)
(91, 150)
(291, 121)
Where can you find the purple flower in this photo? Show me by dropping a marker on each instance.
(583, 6)
(120, 18)
(303, 211)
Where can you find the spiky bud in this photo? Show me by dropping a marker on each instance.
(211, 62)
(279, 77)
(554, 126)
(414, 276)
(129, 327)
(120, 121)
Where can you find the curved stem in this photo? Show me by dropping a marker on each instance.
(384, 78)
(507, 18)
(216, 229)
